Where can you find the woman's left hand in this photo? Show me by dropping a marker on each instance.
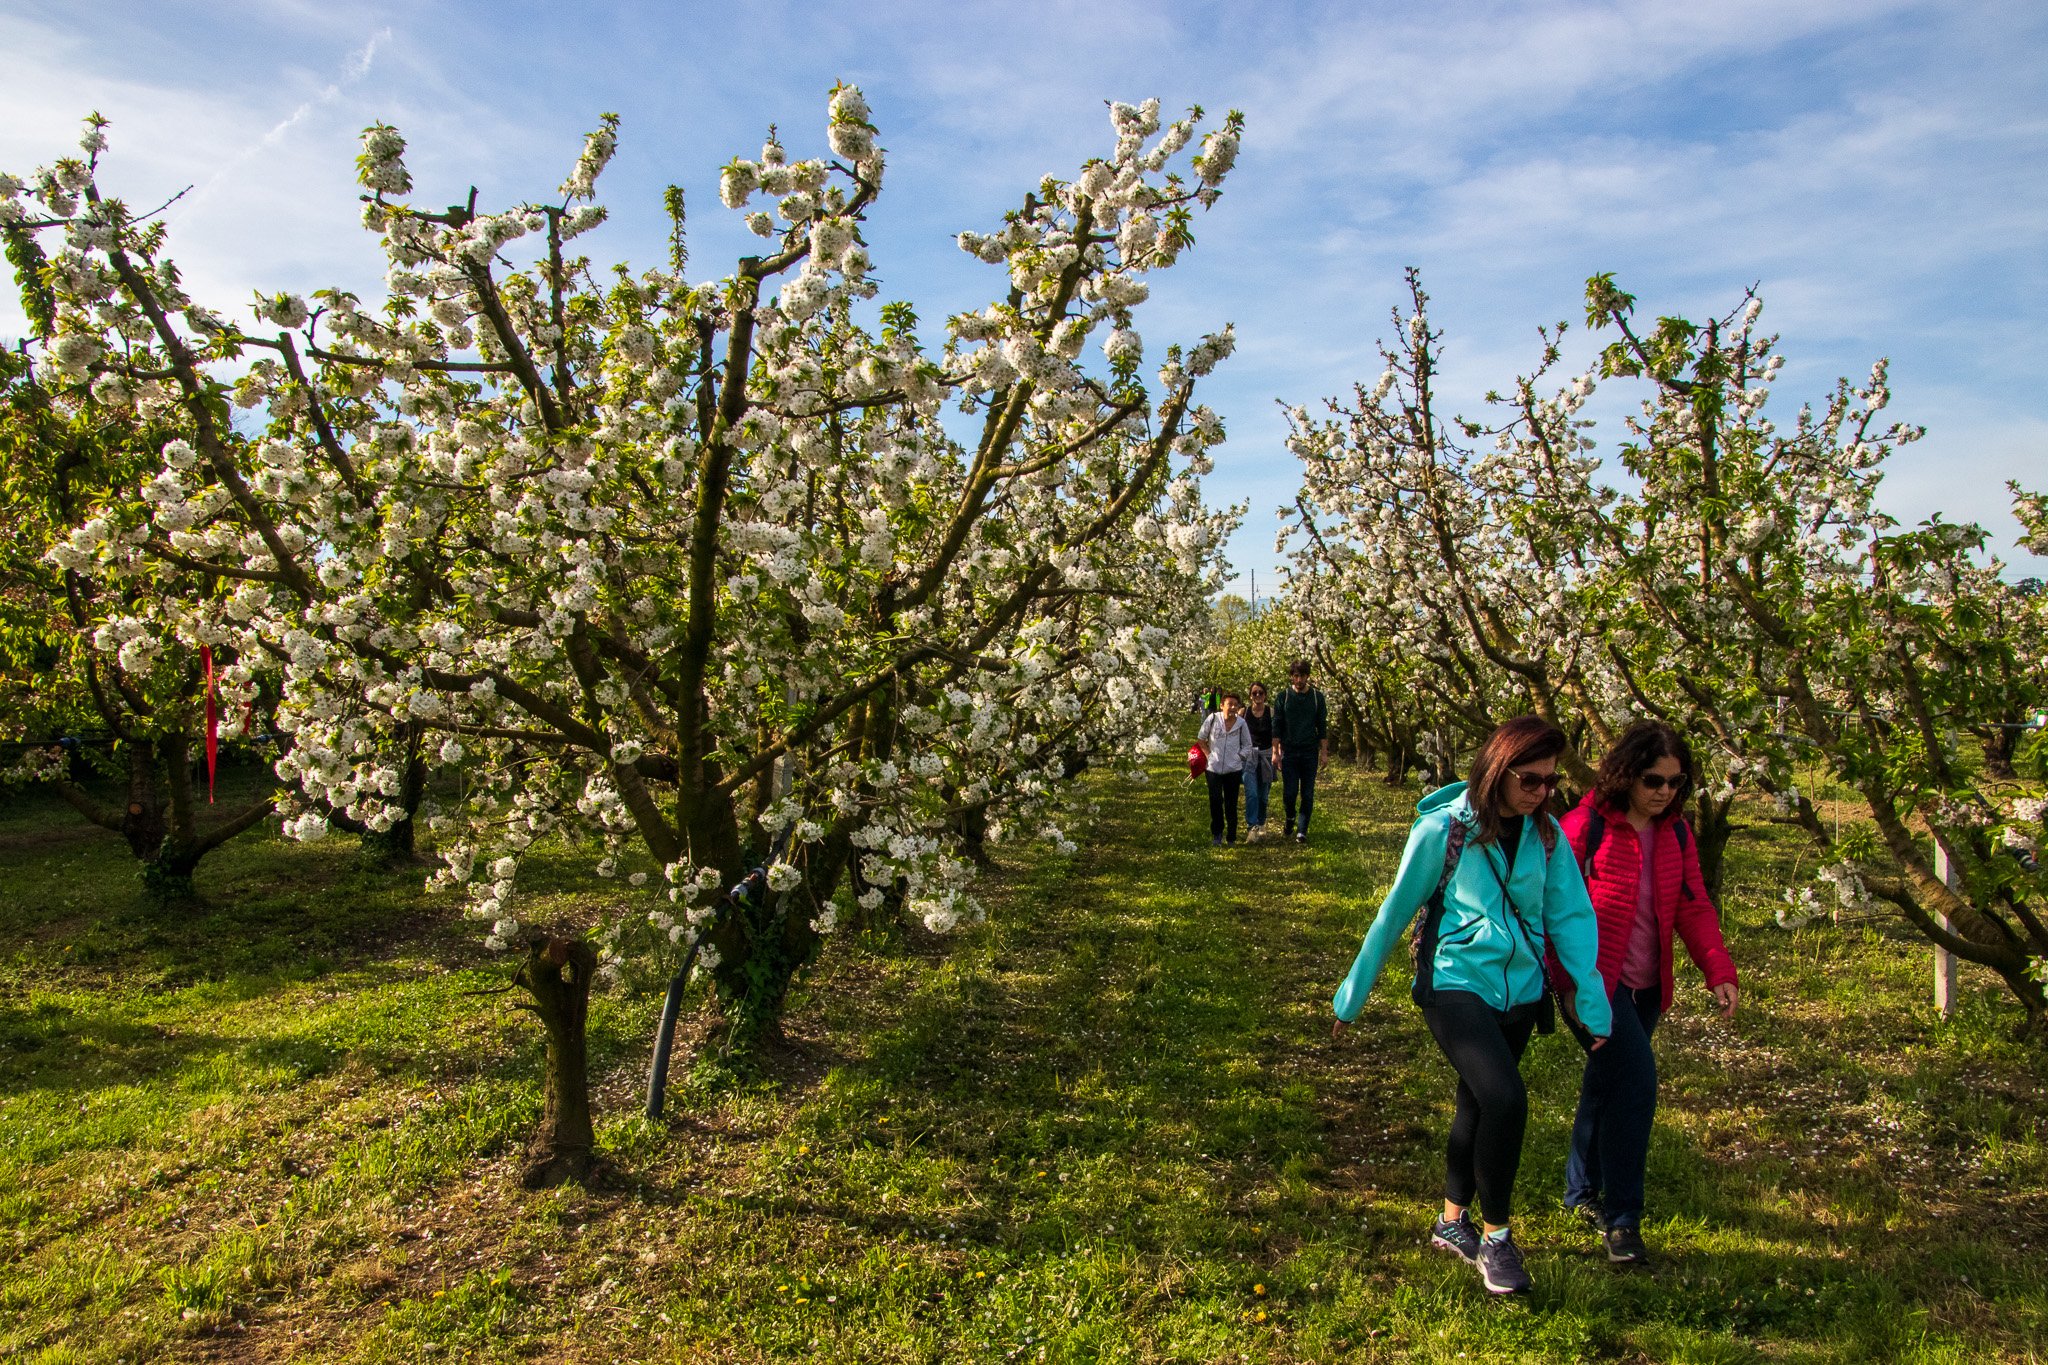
(1725, 995)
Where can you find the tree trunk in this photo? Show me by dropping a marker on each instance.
(168, 856)
(399, 845)
(557, 974)
(1999, 743)
(1713, 829)
(391, 848)
(1400, 757)
(971, 824)
(762, 945)
(167, 877)
(145, 822)
(2027, 989)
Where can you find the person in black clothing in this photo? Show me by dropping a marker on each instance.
(1301, 741)
(1258, 770)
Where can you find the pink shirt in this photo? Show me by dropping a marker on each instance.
(1639, 968)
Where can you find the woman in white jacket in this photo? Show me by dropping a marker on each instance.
(1227, 740)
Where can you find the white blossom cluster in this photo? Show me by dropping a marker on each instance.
(1847, 882)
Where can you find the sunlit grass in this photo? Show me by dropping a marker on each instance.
(1109, 1125)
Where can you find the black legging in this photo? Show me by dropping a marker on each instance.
(1223, 803)
(1484, 1045)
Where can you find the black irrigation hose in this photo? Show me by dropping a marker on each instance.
(747, 890)
(665, 1030)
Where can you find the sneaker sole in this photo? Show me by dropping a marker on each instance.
(1448, 1245)
(1501, 1290)
(1627, 1260)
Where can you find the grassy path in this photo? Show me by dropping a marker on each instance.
(1109, 1125)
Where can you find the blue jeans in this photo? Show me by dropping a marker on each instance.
(1298, 778)
(1255, 792)
(1617, 1105)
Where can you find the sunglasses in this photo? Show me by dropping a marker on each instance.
(1536, 782)
(1657, 782)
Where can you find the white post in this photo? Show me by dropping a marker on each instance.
(1944, 960)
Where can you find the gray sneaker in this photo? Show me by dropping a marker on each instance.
(1625, 1244)
(1500, 1265)
(1459, 1237)
(1591, 1213)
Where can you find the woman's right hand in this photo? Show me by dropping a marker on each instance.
(1337, 1028)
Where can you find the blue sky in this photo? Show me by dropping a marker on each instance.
(1880, 168)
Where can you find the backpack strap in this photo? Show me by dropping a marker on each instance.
(1422, 943)
(1454, 849)
(1596, 830)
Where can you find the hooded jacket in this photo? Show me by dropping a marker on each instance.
(1678, 894)
(1481, 947)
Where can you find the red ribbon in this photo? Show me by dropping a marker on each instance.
(212, 722)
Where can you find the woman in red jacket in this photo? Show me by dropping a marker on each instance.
(1642, 870)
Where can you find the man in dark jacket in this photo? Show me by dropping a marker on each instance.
(1301, 730)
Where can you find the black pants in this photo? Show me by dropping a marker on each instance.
(1484, 1046)
(1298, 776)
(1223, 804)
(1617, 1108)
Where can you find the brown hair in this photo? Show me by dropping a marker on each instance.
(1525, 739)
(1298, 669)
(1634, 754)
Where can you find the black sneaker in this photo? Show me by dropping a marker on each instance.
(1625, 1245)
(1590, 1213)
(1500, 1265)
(1301, 837)
(1459, 1237)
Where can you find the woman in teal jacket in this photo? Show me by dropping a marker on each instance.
(1496, 886)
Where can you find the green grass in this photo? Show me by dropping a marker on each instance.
(1109, 1125)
